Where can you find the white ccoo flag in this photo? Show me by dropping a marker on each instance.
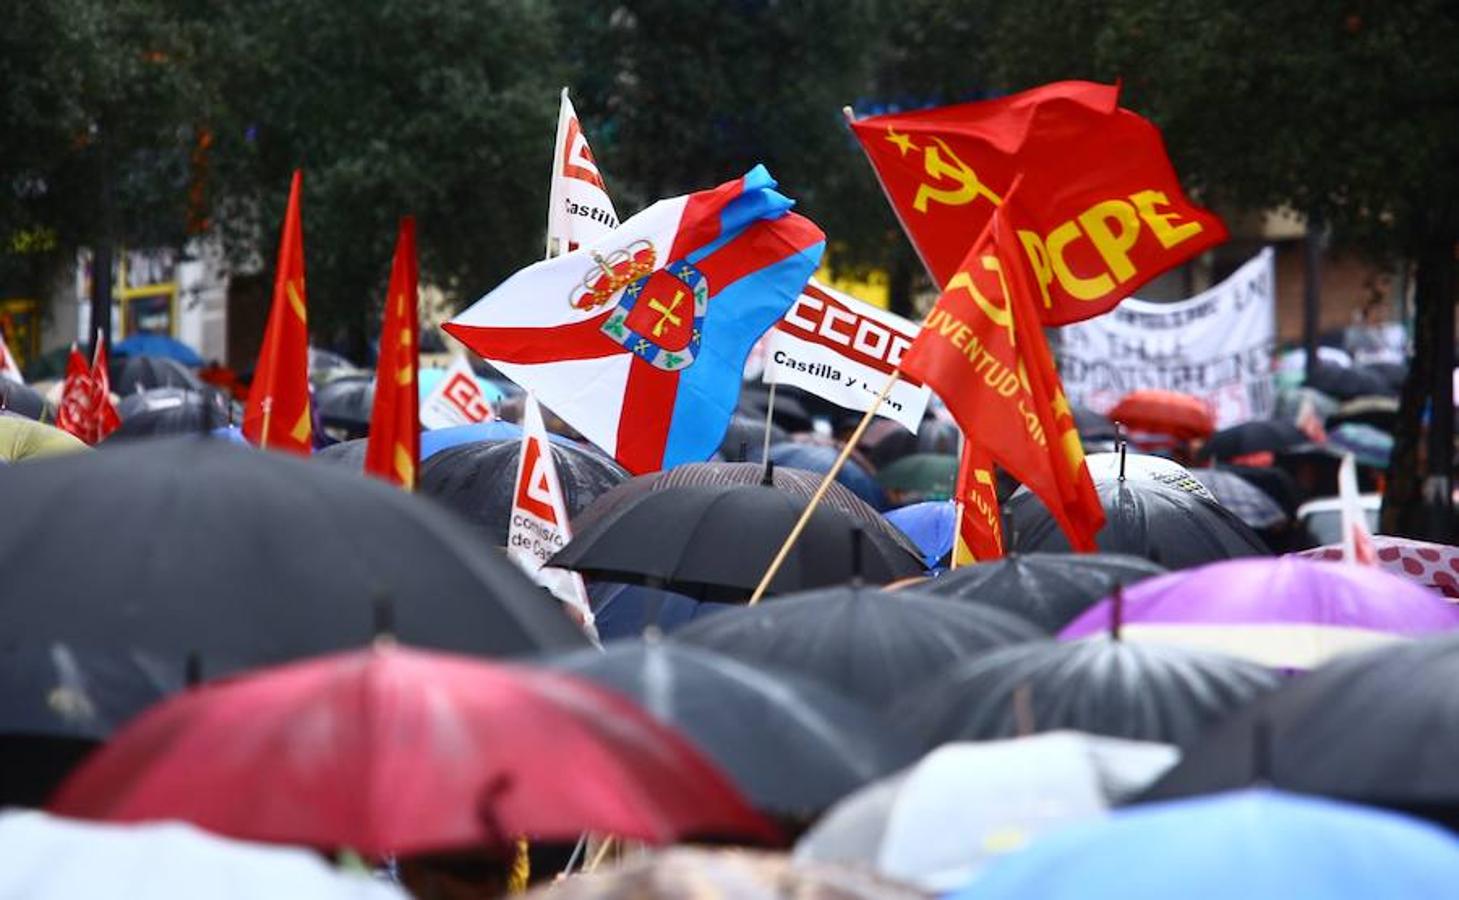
(579, 211)
(457, 399)
(539, 524)
(844, 350)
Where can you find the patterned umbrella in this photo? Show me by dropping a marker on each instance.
(1435, 566)
(1370, 446)
(1145, 467)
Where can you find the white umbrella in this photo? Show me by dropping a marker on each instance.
(936, 824)
(51, 858)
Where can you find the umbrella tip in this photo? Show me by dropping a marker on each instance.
(1117, 613)
(1261, 752)
(1123, 446)
(767, 477)
(856, 536)
(384, 621)
(1023, 721)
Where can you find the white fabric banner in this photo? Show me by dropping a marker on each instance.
(578, 211)
(539, 523)
(1216, 346)
(457, 399)
(844, 350)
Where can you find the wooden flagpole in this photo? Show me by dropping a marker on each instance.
(820, 493)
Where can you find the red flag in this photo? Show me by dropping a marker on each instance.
(979, 528)
(1110, 211)
(393, 452)
(945, 170)
(107, 419)
(277, 415)
(86, 410)
(982, 350)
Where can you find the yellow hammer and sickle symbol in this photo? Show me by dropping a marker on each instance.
(666, 316)
(940, 162)
(1002, 316)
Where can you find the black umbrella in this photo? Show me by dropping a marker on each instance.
(478, 480)
(1394, 374)
(163, 411)
(717, 542)
(795, 483)
(791, 412)
(1274, 482)
(147, 372)
(344, 404)
(887, 441)
(1347, 382)
(1379, 728)
(197, 546)
(1174, 528)
(1049, 589)
(866, 643)
(345, 454)
(744, 439)
(791, 745)
(23, 399)
(1256, 436)
(1146, 692)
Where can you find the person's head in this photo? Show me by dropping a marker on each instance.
(454, 876)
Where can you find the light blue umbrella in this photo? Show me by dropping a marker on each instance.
(147, 344)
(434, 441)
(1247, 844)
(932, 526)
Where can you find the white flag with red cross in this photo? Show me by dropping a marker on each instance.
(457, 399)
(578, 211)
(539, 524)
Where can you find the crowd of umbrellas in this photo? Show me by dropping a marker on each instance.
(231, 670)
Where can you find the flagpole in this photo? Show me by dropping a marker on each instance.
(825, 486)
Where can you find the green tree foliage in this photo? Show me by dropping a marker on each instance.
(440, 108)
(95, 143)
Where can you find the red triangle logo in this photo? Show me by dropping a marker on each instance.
(533, 491)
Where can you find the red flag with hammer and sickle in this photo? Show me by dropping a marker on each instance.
(1109, 210)
(393, 452)
(277, 415)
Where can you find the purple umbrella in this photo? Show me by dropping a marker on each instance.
(1283, 612)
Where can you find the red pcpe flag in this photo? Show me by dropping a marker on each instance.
(1111, 214)
(945, 170)
(393, 452)
(277, 415)
(979, 529)
(983, 351)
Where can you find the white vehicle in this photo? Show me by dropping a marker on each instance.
(1323, 518)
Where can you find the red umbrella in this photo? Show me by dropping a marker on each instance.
(1181, 416)
(1435, 566)
(400, 751)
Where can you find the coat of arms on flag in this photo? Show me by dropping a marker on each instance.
(644, 350)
